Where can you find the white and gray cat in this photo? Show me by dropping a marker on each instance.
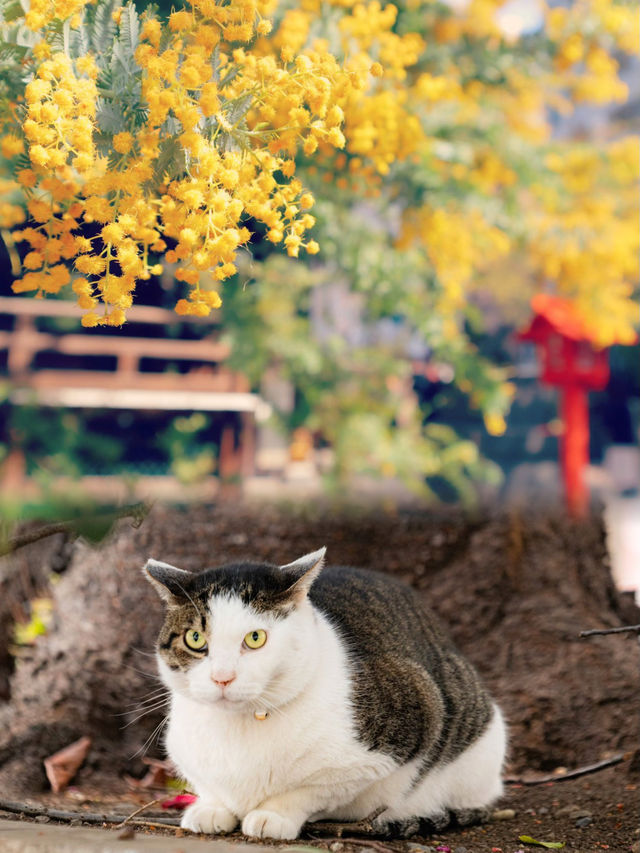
(299, 694)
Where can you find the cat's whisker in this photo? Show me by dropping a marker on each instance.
(159, 706)
(144, 672)
(152, 694)
(153, 736)
(143, 707)
(142, 652)
(149, 699)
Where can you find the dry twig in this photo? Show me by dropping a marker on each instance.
(138, 811)
(626, 629)
(364, 827)
(370, 842)
(570, 774)
(86, 817)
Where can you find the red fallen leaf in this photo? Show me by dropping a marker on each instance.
(63, 765)
(181, 801)
(156, 777)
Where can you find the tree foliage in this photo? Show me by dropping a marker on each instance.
(422, 132)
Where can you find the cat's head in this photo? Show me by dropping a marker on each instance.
(237, 636)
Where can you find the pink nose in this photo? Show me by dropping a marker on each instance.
(223, 681)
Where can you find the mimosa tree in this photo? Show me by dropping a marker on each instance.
(419, 135)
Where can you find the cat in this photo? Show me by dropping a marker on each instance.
(300, 694)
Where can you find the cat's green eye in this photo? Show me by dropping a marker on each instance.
(255, 639)
(195, 640)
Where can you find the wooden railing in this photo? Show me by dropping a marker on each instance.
(207, 385)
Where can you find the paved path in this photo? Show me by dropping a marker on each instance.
(623, 525)
(21, 836)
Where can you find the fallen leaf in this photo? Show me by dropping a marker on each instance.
(157, 776)
(181, 801)
(63, 765)
(550, 845)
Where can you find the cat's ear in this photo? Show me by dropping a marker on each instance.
(168, 581)
(303, 572)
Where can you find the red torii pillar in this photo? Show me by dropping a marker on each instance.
(572, 363)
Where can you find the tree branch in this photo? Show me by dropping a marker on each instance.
(137, 512)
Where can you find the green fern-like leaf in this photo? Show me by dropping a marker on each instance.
(109, 118)
(102, 27)
(170, 161)
(237, 109)
(129, 28)
(11, 11)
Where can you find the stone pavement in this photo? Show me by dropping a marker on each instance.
(21, 836)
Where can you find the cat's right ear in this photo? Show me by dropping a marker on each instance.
(303, 572)
(169, 581)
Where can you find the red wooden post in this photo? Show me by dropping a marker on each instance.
(571, 362)
(574, 447)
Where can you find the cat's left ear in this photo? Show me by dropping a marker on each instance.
(303, 572)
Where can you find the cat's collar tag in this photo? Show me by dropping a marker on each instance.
(261, 715)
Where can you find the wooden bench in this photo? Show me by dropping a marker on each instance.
(207, 385)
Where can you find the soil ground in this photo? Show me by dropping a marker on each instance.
(549, 812)
(514, 590)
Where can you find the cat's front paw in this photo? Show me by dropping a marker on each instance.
(262, 823)
(209, 818)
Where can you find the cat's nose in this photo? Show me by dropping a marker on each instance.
(223, 680)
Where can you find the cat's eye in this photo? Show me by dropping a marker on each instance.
(195, 640)
(255, 639)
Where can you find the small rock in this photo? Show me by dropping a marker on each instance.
(503, 814)
(126, 834)
(570, 810)
(42, 818)
(459, 850)
(419, 848)
(635, 847)
(543, 810)
(583, 821)
(336, 846)
(75, 822)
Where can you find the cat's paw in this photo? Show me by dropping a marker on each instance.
(263, 823)
(469, 817)
(205, 817)
(406, 827)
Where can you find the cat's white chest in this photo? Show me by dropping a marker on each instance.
(309, 742)
(237, 758)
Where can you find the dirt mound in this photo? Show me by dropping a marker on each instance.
(514, 591)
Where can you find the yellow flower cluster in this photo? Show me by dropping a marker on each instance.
(585, 33)
(585, 236)
(460, 245)
(58, 129)
(241, 118)
(42, 12)
(229, 105)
